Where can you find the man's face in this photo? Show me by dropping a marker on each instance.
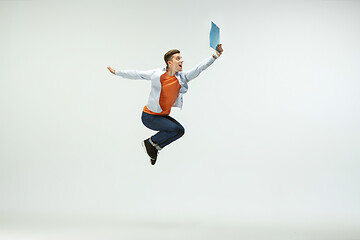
(176, 62)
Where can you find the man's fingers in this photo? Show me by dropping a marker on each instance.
(111, 70)
(219, 48)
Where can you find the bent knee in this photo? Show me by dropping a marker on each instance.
(181, 131)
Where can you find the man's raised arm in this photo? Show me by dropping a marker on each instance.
(193, 73)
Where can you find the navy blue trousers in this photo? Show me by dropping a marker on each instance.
(168, 128)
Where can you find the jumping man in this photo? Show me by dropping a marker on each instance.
(167, 88)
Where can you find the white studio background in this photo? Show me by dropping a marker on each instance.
(272, 127)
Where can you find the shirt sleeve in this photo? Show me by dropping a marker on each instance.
(135, 75)
(193, 73)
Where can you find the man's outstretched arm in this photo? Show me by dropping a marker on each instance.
(132, 74)
(193, 73)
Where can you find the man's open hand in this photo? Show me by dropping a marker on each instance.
(111, 70)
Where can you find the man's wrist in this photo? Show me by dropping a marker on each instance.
(215, 55)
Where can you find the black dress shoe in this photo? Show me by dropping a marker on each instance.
(151, 151)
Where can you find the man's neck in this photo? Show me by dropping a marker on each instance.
(171, 72)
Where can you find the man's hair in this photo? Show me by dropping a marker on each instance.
(169, 54)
